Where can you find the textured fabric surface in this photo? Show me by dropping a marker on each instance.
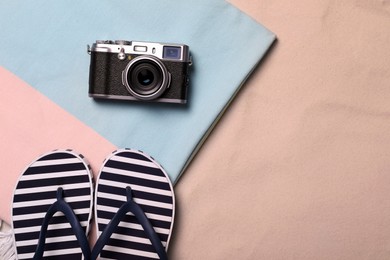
(44, 79)
(7, 250)
(31, 125)
(298, 167)
(45, 44)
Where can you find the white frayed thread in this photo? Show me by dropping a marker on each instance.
(7, 250)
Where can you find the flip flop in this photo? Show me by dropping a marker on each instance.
(52, 207)
(135, 207)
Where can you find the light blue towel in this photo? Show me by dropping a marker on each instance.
(45, 43)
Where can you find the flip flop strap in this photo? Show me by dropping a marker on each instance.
(62, 206)
(133, 207)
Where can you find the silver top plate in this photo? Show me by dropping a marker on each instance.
(144, 48)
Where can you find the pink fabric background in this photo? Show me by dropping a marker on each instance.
(31, 125)
(298, 168)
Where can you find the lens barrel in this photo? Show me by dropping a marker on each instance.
(146, 77)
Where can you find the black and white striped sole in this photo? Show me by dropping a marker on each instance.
(36, 192)
(152, 191)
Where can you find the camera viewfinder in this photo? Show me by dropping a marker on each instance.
(172, 52)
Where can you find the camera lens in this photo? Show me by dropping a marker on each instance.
(146, 77)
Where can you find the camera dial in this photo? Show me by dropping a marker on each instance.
(104, 42)
(122, 42)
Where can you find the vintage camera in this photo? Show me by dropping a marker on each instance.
(132, 70)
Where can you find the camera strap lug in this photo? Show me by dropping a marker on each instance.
(190, 62)
(89, 49)
(121, 54)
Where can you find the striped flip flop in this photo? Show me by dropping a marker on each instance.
(52, 207)
(135, 207)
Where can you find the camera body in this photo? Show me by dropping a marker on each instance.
(130, 70)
